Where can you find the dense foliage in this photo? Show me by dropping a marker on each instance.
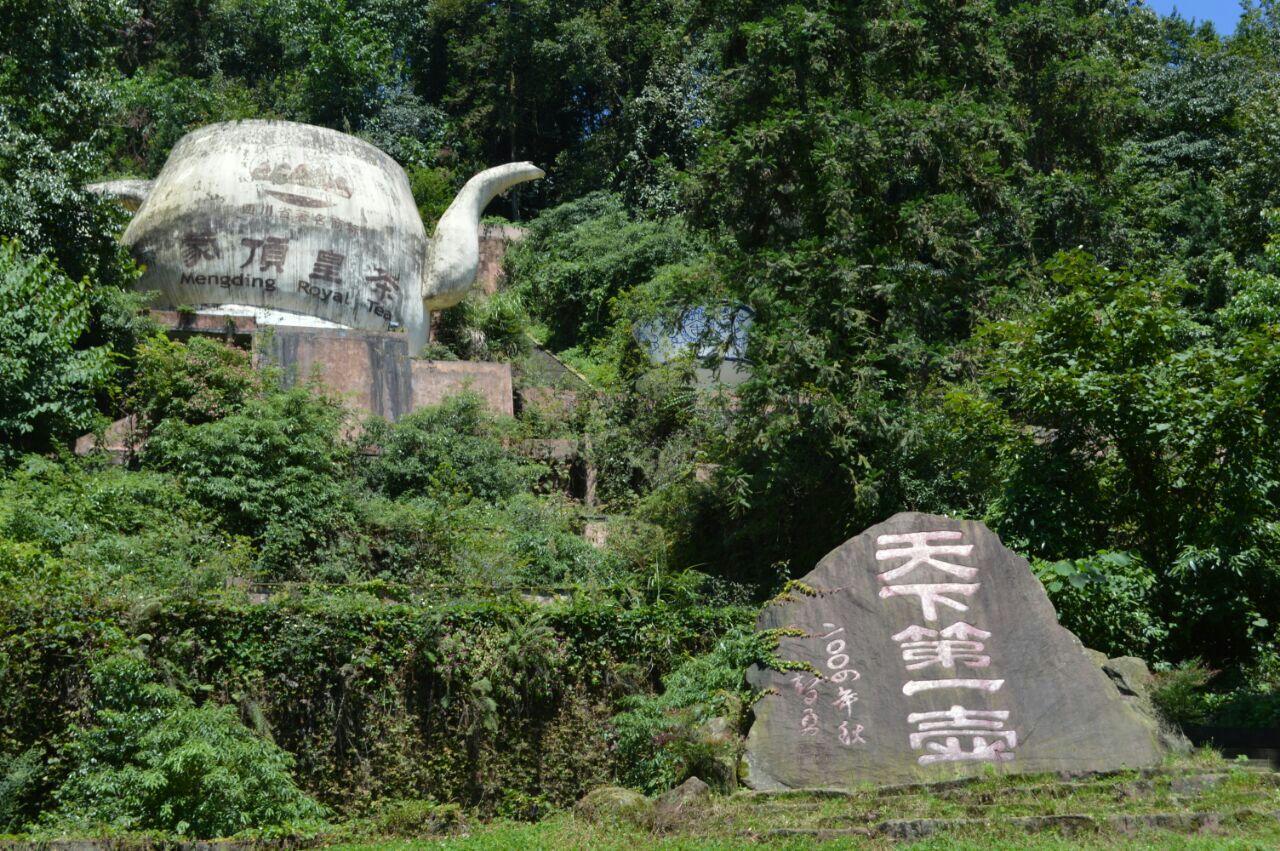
(152, 760)
(48, 392)
(1015, 262)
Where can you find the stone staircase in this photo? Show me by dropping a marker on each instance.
(1211, 798)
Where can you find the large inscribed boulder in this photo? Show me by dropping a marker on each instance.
(925, 650)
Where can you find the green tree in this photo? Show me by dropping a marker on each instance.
(581, 256)
(91, 528)
(48, 392)
(276, 471)
(537, 80)
(346, 66)
(665, 738)
(1141, 427)
(43, 203)
(876, 179)
(196, 382)
(159, 107)
(451, 449)
(54, 62)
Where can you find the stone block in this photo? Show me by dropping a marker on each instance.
(547, 403)
(121, 440)
(675, 805)
(596, 533)
(434, 380)
(613, 805)
(548, 449)
(374, 372)
(180, 325)
(371, 370)
(494, 241)
(926, 651)
(1134, 681)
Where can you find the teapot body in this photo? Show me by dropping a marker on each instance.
(288, 217)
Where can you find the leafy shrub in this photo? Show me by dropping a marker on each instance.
(276, 471)
(159, 108)
(452, 448)
(152, 760)
(412, 819)
(647, 437)
(276, 457)
(542, 548)
(1107, 601)
(413, 540)
(1255, 706)
(583, 254)
(1179, 695)
(196, 382)
(43, 203)
(1126, 398)
(486, 328)
(665, 738)
(411, 130)
(49, 384)
(436, 350)
(536, 542)
(433, 191)
(113, 530)
(19, 775)
(1248, 696)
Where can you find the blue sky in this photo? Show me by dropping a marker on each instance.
(1223, 13)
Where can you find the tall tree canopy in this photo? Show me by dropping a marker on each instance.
(1002, 259)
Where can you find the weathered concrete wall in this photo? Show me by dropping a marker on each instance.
(434, 380)
(546, 402)
(287, 216)
(369, 369)
(374, 372)
(494, 242)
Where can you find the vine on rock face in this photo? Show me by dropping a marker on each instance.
(468, 702)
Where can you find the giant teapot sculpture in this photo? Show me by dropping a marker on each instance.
(307, 220)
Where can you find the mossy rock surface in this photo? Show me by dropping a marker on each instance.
(612, 804)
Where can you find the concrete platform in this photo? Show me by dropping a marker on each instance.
(370, 368)
(373, 369)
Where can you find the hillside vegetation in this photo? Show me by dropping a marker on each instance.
(1018, 262)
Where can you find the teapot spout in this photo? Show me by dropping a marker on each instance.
(455, 247)
(128, 193)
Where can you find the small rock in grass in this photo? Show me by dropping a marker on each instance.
(691, 791)
(615, 804)
(673, 804)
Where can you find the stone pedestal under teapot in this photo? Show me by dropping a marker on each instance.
(297, 218)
